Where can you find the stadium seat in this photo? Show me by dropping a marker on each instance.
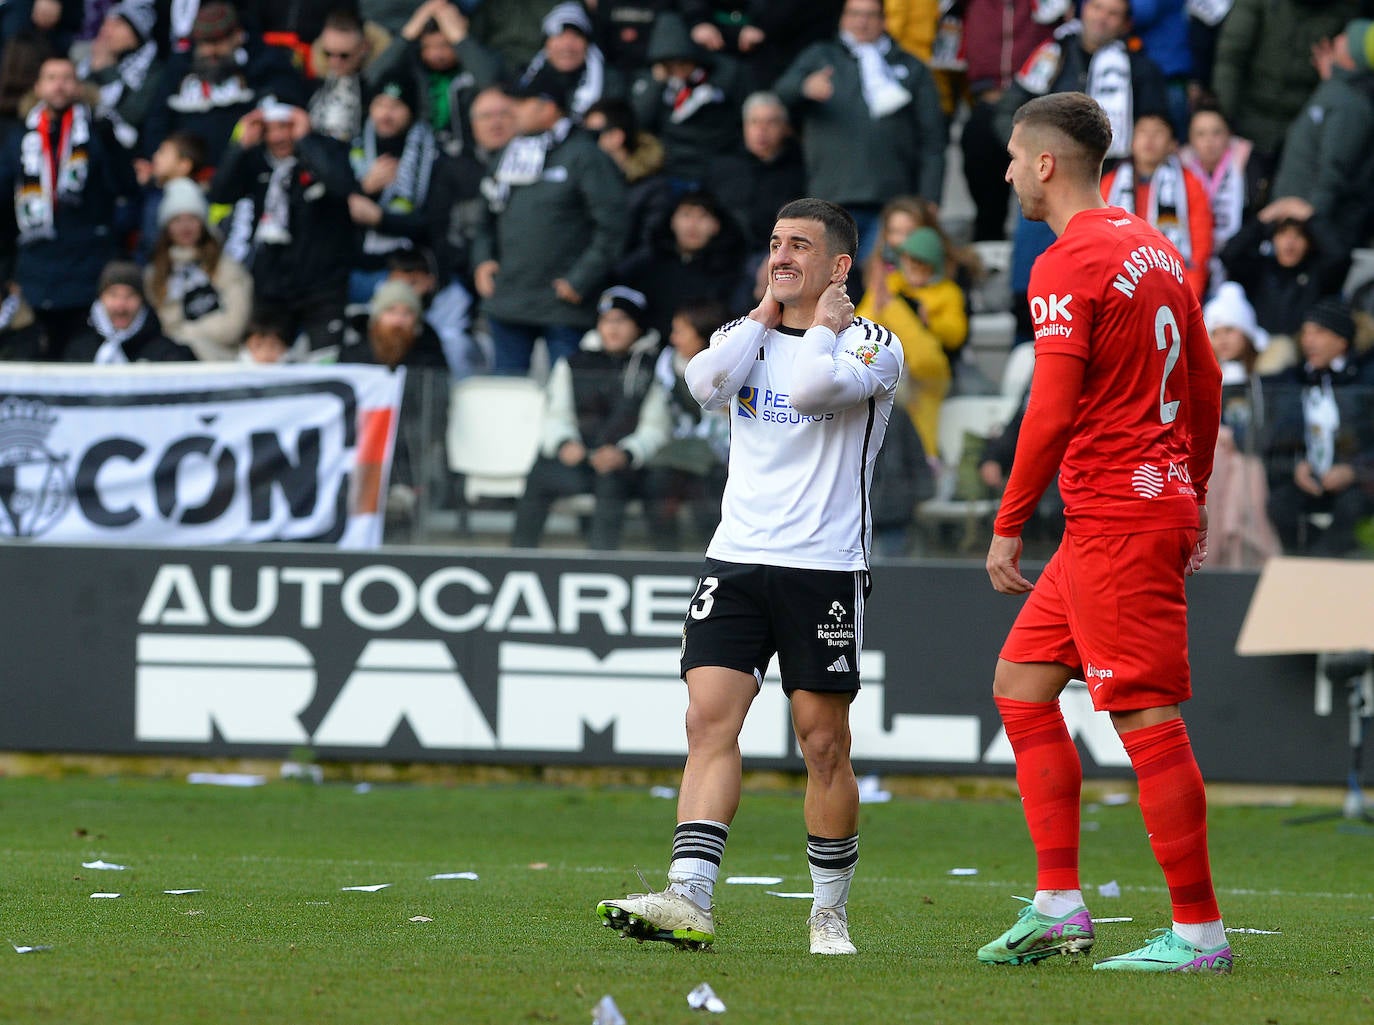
(493, 434)
(1016, 372)
(961, 416)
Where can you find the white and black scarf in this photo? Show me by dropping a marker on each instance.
(409, 188)
(589, 84)
(522, 162)
(47, 177)
(336, 109)
(189, 285)
(883, 94)
(1225, 187)
(1109, 81)
(274, 219)
(131, 72)
(1168, 202)
(195, 95)
(112, 348)
(1322, 415)
(9, 309)
(688, 96)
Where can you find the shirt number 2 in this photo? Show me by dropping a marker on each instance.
(1165, 325)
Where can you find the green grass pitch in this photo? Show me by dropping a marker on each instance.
(273, 937)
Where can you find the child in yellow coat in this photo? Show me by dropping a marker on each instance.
(926, 311)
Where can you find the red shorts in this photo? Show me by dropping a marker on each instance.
(1115, 609)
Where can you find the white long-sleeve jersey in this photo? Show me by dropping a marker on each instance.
(808, 411)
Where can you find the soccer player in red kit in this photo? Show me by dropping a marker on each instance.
(1124, 406)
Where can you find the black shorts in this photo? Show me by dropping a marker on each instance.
(812, 619)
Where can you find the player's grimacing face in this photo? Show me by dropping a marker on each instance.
(800, 264)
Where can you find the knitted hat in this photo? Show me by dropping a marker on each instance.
(1359, 37)
(1332, 313)
(566, 16)
(215, 21)
(393, 292)
(925, 246)
(1230, 308)
(628, 300)
(182, 196)
(401, 86)
(121, 272)
(545, 84)
(274, 111)
(139, 15)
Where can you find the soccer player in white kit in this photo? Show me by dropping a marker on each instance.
(810, 390)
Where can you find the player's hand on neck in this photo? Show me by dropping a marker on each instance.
(769, 312)
(834, 309)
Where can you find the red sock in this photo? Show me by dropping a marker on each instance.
(1050, 778)
(1174, 806)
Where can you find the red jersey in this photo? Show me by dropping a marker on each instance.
(1112, 292)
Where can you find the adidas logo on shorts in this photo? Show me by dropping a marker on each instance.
(840, 665)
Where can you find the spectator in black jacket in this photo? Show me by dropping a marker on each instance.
(122, 327)
(697, 253)
(62, 220)
(1320, 452)
(755, 184)
(396, 160)
(1286, 259)
(639, 155)
(226, 74)
(293, 222)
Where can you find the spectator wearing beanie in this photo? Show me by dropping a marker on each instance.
(202, 297)
(397, 336)
(450, 68)
(1328, 154)
(226, 73)
(925, 310)
(579, 63)
(394, 160)
(1239, 535)
(121, 328)
(605, 418)
(123, 65)
(1320, 452)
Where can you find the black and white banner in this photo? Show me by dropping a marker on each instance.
(196, 455)
(530, 659)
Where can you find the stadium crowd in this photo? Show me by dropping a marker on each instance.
(584, 192)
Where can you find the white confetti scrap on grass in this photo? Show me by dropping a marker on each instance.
(963, 872)
(754, 880)
(20, 949)
(178, 893)
(104, 866)
(778, 893)
(226, 779)
(1111, 889)
(704, 998)
(666, 793)
(1107, 921)
(420, 918)
(1258, 932)
(372, 888)
(1112, 800)
(104, 896)
(454, 875)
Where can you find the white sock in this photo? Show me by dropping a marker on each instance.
(1203, 935)
(698, 846)
(832, 864)
(1058, 903)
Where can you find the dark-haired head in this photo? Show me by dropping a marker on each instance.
(1075, 119)
(841, 233)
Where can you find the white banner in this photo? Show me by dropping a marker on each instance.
(196, 454)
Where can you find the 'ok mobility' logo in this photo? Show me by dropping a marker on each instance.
(35, 488)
